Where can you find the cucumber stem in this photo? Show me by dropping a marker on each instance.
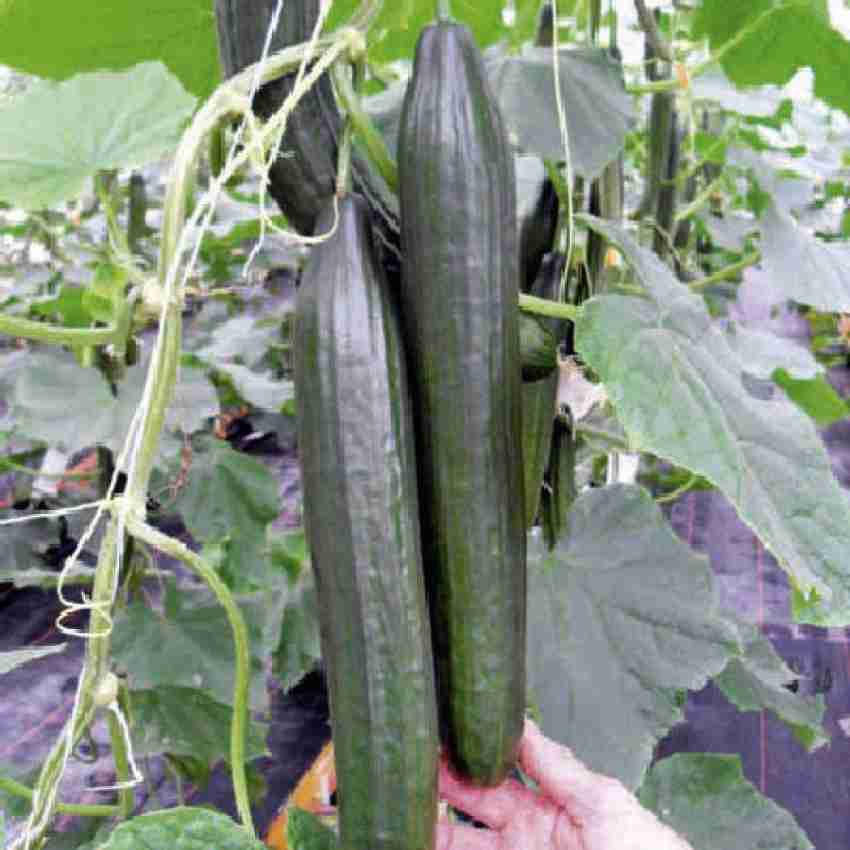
(77, 809)
(43, 332)
(727, 272)
(545, 307)
(343, 173)
(444, 11)
(364, 128)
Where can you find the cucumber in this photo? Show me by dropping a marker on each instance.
(460, 283)
(559, 488)
(537, 215)
(665, 213)
(539, 397)
(538, 350)
(303, 177)
(357, 455)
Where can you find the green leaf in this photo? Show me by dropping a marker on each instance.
(56, 400)
(765, 352)
(58, 40)
(396, 30)
(709, 416)
(598, 110)
(189, 646)
(260, 389)
(802, 268)
(23, 544)
(227, 495)
(816, 397)
(707, 799)
(621, 616)
(304, 831)
(187, 722)
(757, 680)
(775, 39)
(241, 339)
(183, 828)
(105, 292)
(298, 648)
(67, 307)
(57, 135)
(17, 658)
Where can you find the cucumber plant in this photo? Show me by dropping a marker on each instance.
(650, 373)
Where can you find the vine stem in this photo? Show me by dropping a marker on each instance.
(545, 307)
(77, 809)
(366, 131)
(238, 726)
(231, 98)
(728, 271)
(713, 58)
(56, 334)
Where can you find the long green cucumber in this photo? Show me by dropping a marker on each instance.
(460, 283)
(537, 215)
(559, 486)
(357, 454)
(539, 397)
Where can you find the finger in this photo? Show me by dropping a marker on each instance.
(491, 806)
(560, 775)
(456, 836)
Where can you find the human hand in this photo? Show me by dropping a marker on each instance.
(572, 809)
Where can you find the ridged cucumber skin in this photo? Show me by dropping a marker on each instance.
(303, 178)
(539, 398)
(357, 455)
(460, 282)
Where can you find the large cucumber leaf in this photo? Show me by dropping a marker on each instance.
(598, 110)
(707, 799)
(399, 23)
(191, 646)
(621, 616)
(57, 401)
(182, 828)
(683, 393)
(56, 39)
(775, 38)
(57, 135)
(188, 722)
(800, 267)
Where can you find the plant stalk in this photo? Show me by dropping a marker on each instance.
(366, 131)
(239, 724)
